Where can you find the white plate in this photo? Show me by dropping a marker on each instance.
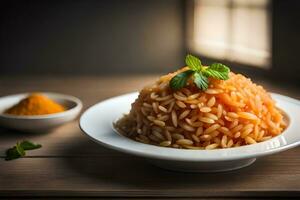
(97, 123)
(39, 123)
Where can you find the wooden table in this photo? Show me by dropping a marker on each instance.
(71, 165)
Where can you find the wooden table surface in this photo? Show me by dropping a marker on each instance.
(70, 164)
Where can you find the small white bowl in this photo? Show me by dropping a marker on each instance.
(39, 123)
(97, 123)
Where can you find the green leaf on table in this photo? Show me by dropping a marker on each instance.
(18, 150)
(12, 153)
(27, 145)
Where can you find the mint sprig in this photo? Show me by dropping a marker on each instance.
(200, 73)
(200, 80)
(193, 62)
(18, 150)
(179, 81)
(27, 145)
(217, 71)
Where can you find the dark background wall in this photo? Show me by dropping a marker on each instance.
(122, 36)
(286, 41)
(91, 36)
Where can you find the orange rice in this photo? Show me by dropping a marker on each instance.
(229, 113)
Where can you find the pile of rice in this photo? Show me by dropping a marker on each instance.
(229, 113)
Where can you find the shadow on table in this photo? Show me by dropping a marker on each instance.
(11, 133)
(116, 168)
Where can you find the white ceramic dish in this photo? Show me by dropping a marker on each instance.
(97, 123)
(39, 123)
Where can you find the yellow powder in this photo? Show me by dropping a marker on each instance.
(35, 104)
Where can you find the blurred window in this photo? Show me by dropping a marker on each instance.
(234, 30)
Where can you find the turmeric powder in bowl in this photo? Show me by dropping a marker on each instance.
(35, 104)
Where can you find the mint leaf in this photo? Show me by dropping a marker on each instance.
(217, 71)
(201, 81)
(18, 150)
(193, 63)
(12, 153)
(180, 80)
(27, 145)
(200, 73)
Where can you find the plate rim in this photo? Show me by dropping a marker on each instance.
(156, 155)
